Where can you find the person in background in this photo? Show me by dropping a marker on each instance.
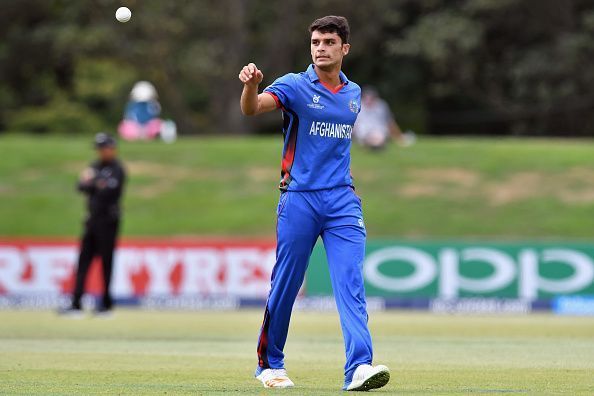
(103, 184)
(376, 125)
(142, 116)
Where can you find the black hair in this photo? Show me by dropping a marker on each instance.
(332, 24)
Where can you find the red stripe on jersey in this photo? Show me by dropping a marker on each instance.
(263, 342)
(334, 90)
(290, 146)
(279, 105)
(287, 162)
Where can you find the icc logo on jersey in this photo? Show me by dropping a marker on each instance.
(316, 103)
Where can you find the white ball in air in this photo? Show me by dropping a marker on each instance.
(123, 14)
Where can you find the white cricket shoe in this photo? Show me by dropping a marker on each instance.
(367, 377)
(275, 378)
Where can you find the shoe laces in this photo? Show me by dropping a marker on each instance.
(279, 373)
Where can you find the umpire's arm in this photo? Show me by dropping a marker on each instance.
(86, 181)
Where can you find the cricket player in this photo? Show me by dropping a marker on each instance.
(319, 108)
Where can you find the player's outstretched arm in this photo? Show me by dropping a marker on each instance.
(251, 102)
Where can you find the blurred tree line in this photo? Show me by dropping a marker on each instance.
(521, 67)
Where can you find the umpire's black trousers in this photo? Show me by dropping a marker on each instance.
(99, 239)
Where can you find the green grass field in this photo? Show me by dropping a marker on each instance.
(440, 188)
(142, 352)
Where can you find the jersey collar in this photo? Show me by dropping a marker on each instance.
(313, 77)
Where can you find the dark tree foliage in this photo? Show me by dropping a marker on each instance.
(520, 67)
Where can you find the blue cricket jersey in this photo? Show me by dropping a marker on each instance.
(317, 127)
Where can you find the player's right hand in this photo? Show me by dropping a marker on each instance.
(87, 175)
(251, 75)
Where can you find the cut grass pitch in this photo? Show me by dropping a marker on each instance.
(439, 188)
(141, 352)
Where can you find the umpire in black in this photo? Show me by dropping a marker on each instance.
(103, 184)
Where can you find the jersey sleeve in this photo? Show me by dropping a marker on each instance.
(283, 91)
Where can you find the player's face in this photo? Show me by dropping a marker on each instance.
(327, 50)
(107, 154)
